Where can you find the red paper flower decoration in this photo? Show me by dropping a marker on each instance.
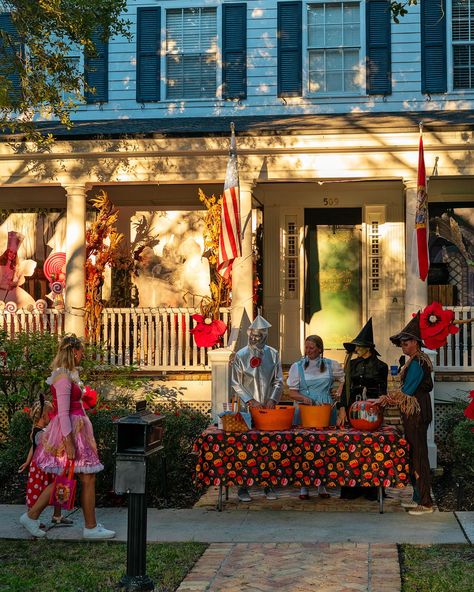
(255, 362)
(469, 411)
(435, 325)
(207, 332)
(89, 398)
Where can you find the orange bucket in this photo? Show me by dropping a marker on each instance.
(277, 419)
(315, 416)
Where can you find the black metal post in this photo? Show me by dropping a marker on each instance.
(136, 579)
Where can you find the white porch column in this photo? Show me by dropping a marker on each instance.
(75, 259)
(242, 270)
(416, 295)
(220, 376)
(432, 448)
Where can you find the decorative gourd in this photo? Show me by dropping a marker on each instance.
(366, 416)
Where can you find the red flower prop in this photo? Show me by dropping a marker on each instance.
(255, 362)
(469, 411)
(89, 398)
(207, 332)
(435, 325)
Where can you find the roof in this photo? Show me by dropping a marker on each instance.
(260, 124)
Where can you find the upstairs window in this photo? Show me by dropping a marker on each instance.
(191, 53)
(334, 47)
(463, 43)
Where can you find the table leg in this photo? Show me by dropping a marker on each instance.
(380, 498)
(219, 499)
(226, 493)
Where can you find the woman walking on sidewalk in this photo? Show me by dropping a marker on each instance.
(69, 436)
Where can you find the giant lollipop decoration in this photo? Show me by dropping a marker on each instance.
(54, 269)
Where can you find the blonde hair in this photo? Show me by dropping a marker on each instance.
(65, 355)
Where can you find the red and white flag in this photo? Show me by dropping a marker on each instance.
(421, 216)
(230, 244)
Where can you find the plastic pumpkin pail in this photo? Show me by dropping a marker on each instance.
(315, 416)
(365, 416)
(277, 419)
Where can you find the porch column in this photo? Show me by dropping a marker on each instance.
(416, 294)
(242, 270)
(75, 259)
(432, 448)
(220, 379)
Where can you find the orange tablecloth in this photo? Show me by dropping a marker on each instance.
(302, 457)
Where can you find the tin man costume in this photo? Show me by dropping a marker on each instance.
(257, 379)
(256, 370)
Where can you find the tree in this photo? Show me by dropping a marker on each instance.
(400, 8)
(38, 79)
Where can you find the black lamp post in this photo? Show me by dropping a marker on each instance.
(138, 436)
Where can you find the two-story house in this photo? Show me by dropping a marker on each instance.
(327, 98)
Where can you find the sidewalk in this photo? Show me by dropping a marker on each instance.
(290, 550)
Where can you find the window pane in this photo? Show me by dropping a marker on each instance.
(333, 13)
(350, 84)
(316, 37)
(333, 36)
(334, 60)
(334, 82)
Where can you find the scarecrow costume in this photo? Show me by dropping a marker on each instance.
(413, 400)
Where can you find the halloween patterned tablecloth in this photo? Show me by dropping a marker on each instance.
(302, 457)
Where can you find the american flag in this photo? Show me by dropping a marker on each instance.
(421, 216)
(230, 245)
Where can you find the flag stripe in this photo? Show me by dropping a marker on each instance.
(230, 245)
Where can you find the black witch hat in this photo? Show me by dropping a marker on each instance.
(411, 331)
(364, 339)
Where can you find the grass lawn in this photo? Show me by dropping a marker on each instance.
(58, 566)
(437, 568)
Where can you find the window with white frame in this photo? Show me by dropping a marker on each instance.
(463, 43)
(191, 53)
(334, 47)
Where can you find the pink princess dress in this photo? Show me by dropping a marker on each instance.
(69, 416)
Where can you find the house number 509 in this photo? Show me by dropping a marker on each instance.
(330, 201)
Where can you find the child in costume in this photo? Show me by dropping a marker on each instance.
(38, 479)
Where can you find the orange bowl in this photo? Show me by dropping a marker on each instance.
(278, 419)
(315, 416)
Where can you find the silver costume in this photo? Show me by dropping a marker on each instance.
(264, 381)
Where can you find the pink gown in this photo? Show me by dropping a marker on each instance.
(50, 455)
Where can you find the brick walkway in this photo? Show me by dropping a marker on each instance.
(295, 567)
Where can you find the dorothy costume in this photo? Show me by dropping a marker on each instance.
(305, 376)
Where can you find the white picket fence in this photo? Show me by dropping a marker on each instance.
(155, 339)
(458, 354)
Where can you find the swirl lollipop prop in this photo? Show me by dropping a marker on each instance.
(54, 267)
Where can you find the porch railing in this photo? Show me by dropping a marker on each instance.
(154, 338)
(149, 338)
(458, 354)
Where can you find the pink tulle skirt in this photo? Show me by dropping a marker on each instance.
(50, 455)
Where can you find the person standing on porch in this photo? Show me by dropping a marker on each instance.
(366, 378)
(311, 381)
(257, 379)
(414, 402)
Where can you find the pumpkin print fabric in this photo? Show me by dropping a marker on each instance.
(302, 458)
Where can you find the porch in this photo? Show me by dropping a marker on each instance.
(158, 339)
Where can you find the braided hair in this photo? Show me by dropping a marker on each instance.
(65, 355)
(318, 342)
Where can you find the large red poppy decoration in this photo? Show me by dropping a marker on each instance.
(207, 332)
(436, 324)
(469, 411)
(89, 398)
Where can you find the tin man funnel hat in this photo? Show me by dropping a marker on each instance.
(411, 331)
(364, 339)
(259, 324)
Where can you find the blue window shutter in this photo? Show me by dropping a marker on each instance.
(433, 47)
(148, 54)
(290, 56)
(7, 52)
(234, 51)
(379, 54)
(96, 70)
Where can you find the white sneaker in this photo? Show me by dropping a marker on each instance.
(98, 532)
(32, 526)
(270, 493)
(409, 505)
(419, 510)
(244, 495)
